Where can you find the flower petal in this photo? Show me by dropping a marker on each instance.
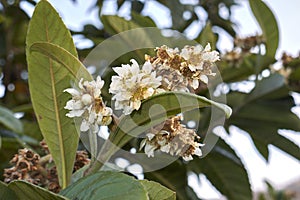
(149, 150)
(84, 126)
(198, 152)
(150, 136)
(72, 91)
(147, 67)
(204, 79)
(75, 113)
(166, 148)
(187, 158)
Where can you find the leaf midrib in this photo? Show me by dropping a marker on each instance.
(146, 120)
(58, 124)
(118, 135)
(143, 122)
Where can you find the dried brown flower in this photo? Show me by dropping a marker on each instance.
(28, 166)
(174, 138)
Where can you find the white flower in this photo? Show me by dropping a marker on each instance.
(187, 158)
(199, 61)
(87, 103)
(196, 56)
(132, 85)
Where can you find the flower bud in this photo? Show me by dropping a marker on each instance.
(86, 99)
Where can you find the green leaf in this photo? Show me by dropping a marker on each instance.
(71, 63)
(130, 40)
(263, 112)
(143, 34)
(133, 39)
(268, 24)
(114, 24)
(28, 191)
(9, 147)
(143, 21)
(157, 191)
(8, 119)
(47, 80)
(6, 193)
(106, 185)
(174, 177)
(207, 36)
(47, 26)
(157, 109)
(225, 171)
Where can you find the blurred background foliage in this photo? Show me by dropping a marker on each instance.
(261, 112)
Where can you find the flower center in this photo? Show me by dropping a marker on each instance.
(139, 93)
(98, 105)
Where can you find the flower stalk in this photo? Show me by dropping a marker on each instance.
(93, 145)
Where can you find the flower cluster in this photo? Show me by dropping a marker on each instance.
(184, 69)
(174, 138)
(132, 85)
(169, 70)
(31, 167)
(247, 43)
(242, 48)
(87, 103)
(25, 163)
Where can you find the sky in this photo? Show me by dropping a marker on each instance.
(281, 169)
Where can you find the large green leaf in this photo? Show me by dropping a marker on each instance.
(106, 185)
(71, 63)
(47, 80)
(27, 191)
(157, 109)
(157, 191)
(137, 37)
(47, 26)
(142, 35)
(268, 24)
(263, 111)
(153, 111)
(114, 24)
(8, 119)
(140, 38)
(174, 177)
(225, 171)
(6, 193)
(143, 21)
